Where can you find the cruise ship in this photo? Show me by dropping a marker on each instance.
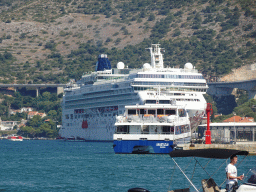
(90, 106)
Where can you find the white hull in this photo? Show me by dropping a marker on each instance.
(16, 139)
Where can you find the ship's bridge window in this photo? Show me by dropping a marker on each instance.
(151, 112)
(170, 112)
(131, 111)
(160, 111)
(142, 111)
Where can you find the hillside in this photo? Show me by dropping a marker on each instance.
(55, 40)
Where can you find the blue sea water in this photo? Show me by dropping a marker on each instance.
(92, 166)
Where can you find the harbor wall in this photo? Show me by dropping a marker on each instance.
(250, 147)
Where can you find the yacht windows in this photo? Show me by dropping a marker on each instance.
(166, 129)
(142, 111)
(145, 129)
(164, 101)
(170, 112)
(122, 129)
(151, 101)
(132, 112)
(160, 111)
(151, 112)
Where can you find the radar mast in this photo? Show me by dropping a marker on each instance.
(156, 56)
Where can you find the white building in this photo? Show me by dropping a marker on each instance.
(8, 125)
(230, 131)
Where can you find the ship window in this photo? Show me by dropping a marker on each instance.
(122, 129)
(160, 111)
(151, 101)
(166, 129)
(142, 111)
(164, 101)
(131, 112)
(170, 112)
(71, 116)
(145, 129)
(182, 113)
(152, 112)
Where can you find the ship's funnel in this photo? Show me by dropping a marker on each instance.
(103, 63)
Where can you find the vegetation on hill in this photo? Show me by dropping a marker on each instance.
(53, 41)
(47, 102)
(48, 42)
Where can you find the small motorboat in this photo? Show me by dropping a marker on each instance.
(208, 184)
(15, 138)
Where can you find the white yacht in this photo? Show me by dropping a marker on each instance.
(151, 128)
(90, 105)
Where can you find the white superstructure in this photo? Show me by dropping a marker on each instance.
(154, 128)
(90, 106)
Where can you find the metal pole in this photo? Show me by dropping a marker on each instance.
(234, 126)
(253, 131)
(185, 176)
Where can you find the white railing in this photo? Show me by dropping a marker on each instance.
(150, 119)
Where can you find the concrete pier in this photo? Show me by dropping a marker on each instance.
(243, 146)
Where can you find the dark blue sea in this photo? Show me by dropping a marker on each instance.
(37, 165)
